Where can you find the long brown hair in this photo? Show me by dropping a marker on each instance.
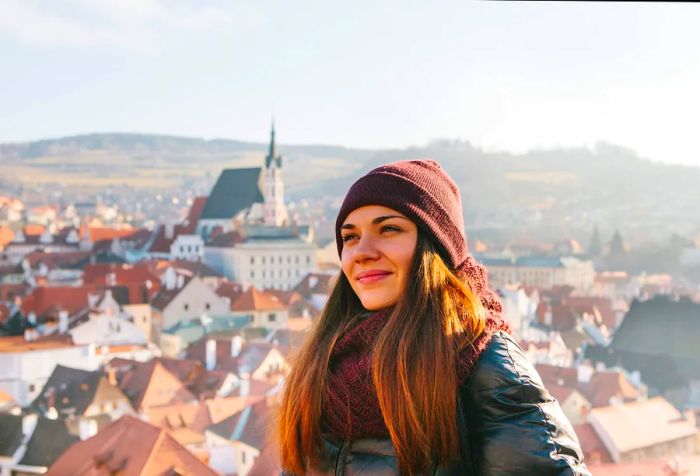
(438, 314)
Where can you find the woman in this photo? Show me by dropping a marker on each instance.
(410, 368)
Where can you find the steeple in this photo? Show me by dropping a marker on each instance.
(272, 152)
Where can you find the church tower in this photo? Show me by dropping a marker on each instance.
(274, 207)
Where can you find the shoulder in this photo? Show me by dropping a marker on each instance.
(503, 363)
(515, 424)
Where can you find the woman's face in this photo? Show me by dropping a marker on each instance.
(377, 257)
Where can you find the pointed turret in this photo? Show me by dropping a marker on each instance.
(272, 154)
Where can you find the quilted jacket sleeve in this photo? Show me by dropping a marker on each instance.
(515, 426)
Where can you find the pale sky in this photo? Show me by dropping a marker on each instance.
(509, 75)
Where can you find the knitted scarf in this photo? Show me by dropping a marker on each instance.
(351, 409)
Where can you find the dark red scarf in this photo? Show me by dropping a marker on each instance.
(352, 409)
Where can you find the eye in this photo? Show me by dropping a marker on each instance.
(390, 228)
(348, 237)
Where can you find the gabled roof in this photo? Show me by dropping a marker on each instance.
(10, 434)
(225, 239)
(256, 300)
(68, 260)
(235, 190)
(149, 384)
(247, 426)
(104, 233)
(230, 290)
(46, 301)
(50, 440)
(197, 268)
(8, 291)
(68, 388)
(129, 446)
(594, 451)
(193, 416)
(194, 214)
(118, 274)
(250, 358)
(626, 426)
(661, 326)
(607, 384)
(555, 375)
(315, 283)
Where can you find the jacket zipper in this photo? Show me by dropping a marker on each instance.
(340, 460)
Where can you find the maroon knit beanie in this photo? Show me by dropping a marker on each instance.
(422, 191)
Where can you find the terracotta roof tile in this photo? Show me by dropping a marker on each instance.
(635, 425)
(256, 300)
(594, 451)
(608, 384)
(46, 301)
(555, 375)
(248, 426)
(149, 384)
(130, 446)
(678, 466)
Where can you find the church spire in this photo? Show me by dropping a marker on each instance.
(272, 152)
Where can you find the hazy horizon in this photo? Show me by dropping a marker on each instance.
(511, 76)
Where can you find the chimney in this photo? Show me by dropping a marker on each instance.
(28, 424)
(62, 322)
(180, 281)
(51, 397)
(210, 350)
(236, 346)
(87, 428)
(169, 231)
(244, 384)
(112, 376)
(111, 279)
(30, 334)
(32, 318)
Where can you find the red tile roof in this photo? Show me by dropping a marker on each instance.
(256, 300)
(315, 283)
(678, 466)
(129, 446)
(112, 274)
(4, 312)
(33, 229)
(149, 384)
(594, 451)
(6, 236)
(194, 214)
(643, 424)
(105, 233)
(47, 301)
(609, 384)
(555, 375)
(231, 290)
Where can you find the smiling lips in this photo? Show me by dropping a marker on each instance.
(371, 276)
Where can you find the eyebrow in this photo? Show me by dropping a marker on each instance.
(376, 221)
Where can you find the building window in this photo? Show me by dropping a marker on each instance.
(263, 258)
(32, 387)
(252, 260)
(289, 259)
(144, 319)
(186, 307)
(271, 318)
(252, 273)
(308, 260)
(207, 306)
(243, 457)
(296, 259)
(279, 259)
(264, 273)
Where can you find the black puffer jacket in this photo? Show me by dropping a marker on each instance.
(510, 425)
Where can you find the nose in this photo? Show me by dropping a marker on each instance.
(365, 249)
